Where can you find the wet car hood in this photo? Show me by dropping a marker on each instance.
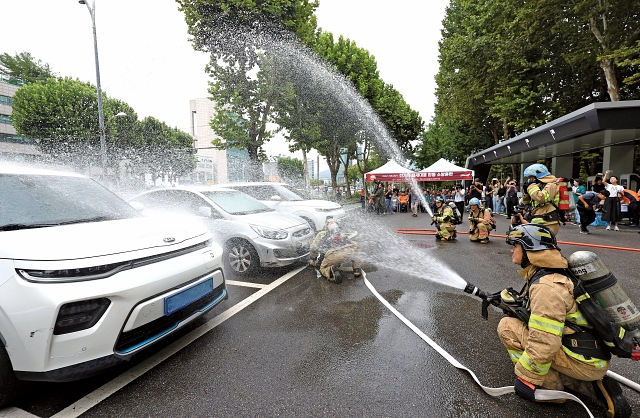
(272, 220)
(322, 204)
(76, 241)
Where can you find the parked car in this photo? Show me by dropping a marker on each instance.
(284, 198)
(252, 234)
(86, 282)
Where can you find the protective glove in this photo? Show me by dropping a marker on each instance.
(312, 262)
(446, 219)
(524, 389)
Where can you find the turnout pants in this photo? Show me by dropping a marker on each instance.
(480, 232)
(336, 256)
(565, 371)
(445, 229)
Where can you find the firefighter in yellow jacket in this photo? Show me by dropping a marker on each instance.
(480, 222)
(330, 248)
(541, 191)
(550, 351)
(443, 217)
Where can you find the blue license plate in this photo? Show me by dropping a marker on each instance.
(178, 301)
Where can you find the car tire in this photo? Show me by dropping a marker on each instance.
(241, 257)
(311, 224)
(9, 384)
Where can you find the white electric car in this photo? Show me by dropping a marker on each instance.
(284, 198)
(86, 281)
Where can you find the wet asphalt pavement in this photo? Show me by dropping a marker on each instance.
(313, 348)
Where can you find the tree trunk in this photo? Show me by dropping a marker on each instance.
(505, 129)
(305, 164)
(607, 66)
(346, 178)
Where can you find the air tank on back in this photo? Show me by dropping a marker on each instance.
(602, 285)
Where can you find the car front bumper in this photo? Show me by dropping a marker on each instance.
(135, 318)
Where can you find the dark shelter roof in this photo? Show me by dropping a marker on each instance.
(595, 126)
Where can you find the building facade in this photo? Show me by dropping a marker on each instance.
(214, 166)
(12, 146)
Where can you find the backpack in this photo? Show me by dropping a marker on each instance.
(457, 217)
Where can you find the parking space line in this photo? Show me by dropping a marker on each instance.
(12, 412)
(246, 284)
(92, 399)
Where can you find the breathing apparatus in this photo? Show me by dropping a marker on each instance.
(614, 318)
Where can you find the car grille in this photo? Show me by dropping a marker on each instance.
(291, 252)
(302, 232)
(141, 336)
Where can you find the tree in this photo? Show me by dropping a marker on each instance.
(244, 41)
(291, 170)
(25, 67)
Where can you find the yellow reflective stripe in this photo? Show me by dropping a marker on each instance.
(532, 366)
(533, 188)
(595, 362)
(537, 221)
(546, 325)
(515, 355)
(609, 344)
(577, 318)
(583, 297)
(621, 333)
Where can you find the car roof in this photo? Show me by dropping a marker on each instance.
(28, 169)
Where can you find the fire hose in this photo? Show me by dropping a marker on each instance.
(424, 231)
(540, 394)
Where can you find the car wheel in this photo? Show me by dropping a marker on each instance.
(311, 224)
(9, 384)
(241, 257)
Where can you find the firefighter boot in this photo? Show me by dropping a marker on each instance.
(335, 275)
(357, 272)
(609, 392)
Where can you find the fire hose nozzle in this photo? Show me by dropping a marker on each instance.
(472, 290)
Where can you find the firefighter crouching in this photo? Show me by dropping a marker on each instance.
(480, 222)
(554, 350)
(541, 191)
(330, 248)
(443, 217)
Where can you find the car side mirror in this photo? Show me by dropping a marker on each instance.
(137, 206)
(205, 211)
(276, 197)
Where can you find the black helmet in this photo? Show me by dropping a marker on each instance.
(532, 237)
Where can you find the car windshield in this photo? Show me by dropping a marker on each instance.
(236, 203)
(289, 193)
(36, 200)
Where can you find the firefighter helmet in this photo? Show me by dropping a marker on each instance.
(536, 170)
(532, 237)
(474, 201)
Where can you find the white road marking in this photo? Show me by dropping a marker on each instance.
(12, 412)
(246, 284)
(92, 399)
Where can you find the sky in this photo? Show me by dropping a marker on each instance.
(146, 59)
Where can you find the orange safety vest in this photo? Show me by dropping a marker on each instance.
(563, 204)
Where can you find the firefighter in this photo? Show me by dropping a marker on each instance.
(547, 351)
(480, 222)
(442, 218)
(330, 248)
(541, 191)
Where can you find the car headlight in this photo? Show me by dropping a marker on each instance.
(270, 233)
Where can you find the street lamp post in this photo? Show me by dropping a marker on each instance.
(103, 141)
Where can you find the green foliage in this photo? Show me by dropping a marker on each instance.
(508, 66)
(25, 67)
(291, 170)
